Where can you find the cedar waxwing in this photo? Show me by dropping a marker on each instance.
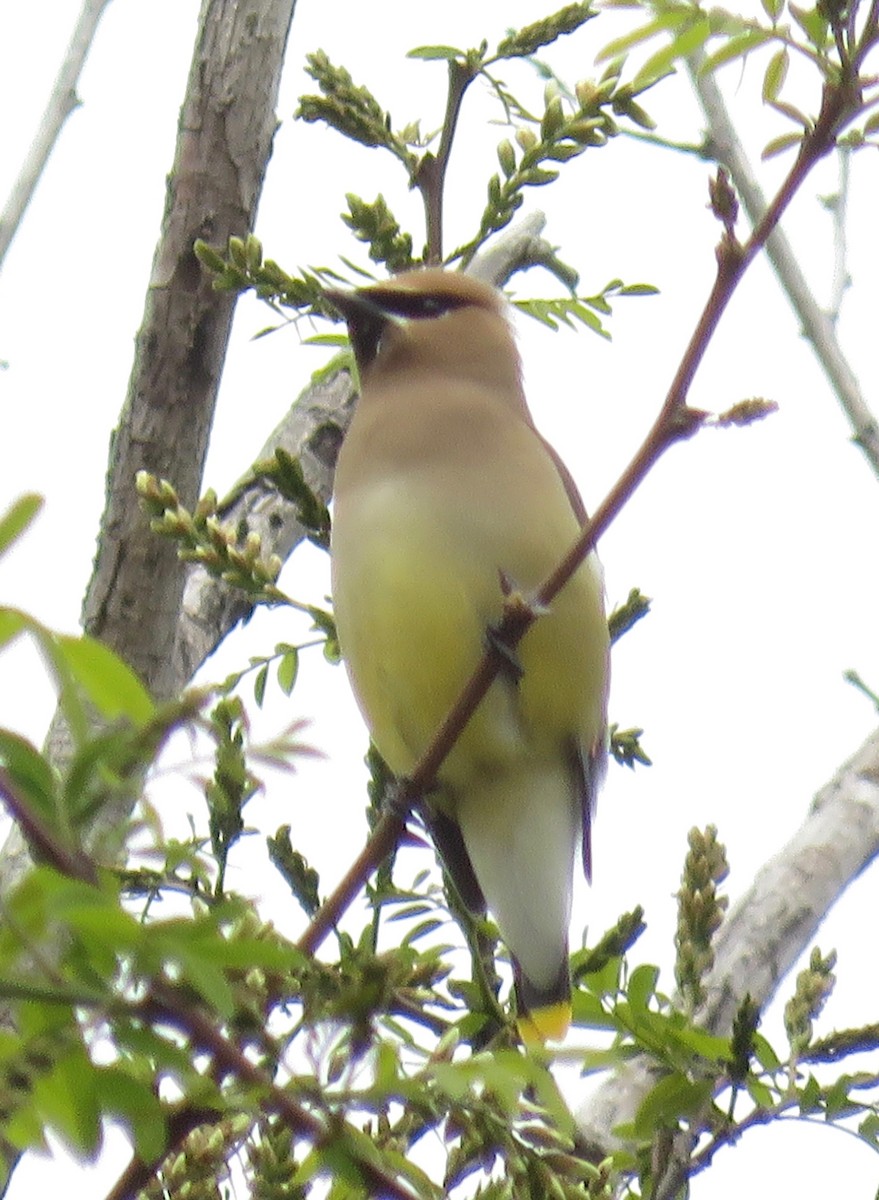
(443, 490)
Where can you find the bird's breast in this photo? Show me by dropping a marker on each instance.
(416, 583)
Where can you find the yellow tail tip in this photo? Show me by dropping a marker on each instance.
(549, 1024)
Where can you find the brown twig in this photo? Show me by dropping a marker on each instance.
(163, 1005)
(674, 423)
(430, 178)
(818, 326)
(45, 846)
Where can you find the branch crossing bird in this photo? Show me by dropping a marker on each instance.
(445, 493)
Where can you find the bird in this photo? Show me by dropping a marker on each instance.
(445, 498)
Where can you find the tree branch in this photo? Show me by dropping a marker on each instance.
(224, 141)
(62, 102)
(817, 325)
(770, 926)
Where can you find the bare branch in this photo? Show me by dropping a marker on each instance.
(771, 925)
(817, 325)
(62, 101)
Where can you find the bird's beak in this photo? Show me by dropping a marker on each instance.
(366, 321)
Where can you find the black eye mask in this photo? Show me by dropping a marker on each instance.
(415, 306)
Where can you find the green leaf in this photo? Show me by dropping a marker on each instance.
(736, 47)
(642, 987)
(813, 24)
(673, 1097)
(31, 773)
(430, 53)
(707, 1045)
(421, 930)
(242, 953)
(288, 669)
(869, 1130)
(137, 1105)
(327, 339)
(838, 1100)
(206, 978)
(110, 685)
(12, 622)
(662, 62)
(17, 517)
(759, 1093)
(776, 73)
(638, 289)
(621, 45)
(809, 1096)
(259, 684)
(588, 1012)
(780, 144)
(68, 1099)
(791, 112)
(764, 1053)
(773, 9)
(103, 924)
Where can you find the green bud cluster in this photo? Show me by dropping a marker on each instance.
(230, 554)
(534, 37)
(376, 225)
(564, 131)
(347, 107)
(242, 268)
(814, 986)
(700, 912)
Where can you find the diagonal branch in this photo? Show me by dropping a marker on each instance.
(674, 422)
(817, 324)
(770, 926)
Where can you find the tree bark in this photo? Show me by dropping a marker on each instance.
(770, 927)
(227, 122)
(224, 142)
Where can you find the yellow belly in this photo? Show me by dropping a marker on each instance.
(419, 588)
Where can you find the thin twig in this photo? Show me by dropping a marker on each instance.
(839, 211)
(431, 176)
(163, 1005)
(45, 846)
(62, 102)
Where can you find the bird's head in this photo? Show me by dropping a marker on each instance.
(432, 320)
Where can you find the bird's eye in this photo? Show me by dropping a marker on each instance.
(418, 306)
(434, 306)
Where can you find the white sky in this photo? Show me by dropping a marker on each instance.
(757, 545)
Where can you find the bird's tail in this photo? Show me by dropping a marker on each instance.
(542, 1015)
(521, 829)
